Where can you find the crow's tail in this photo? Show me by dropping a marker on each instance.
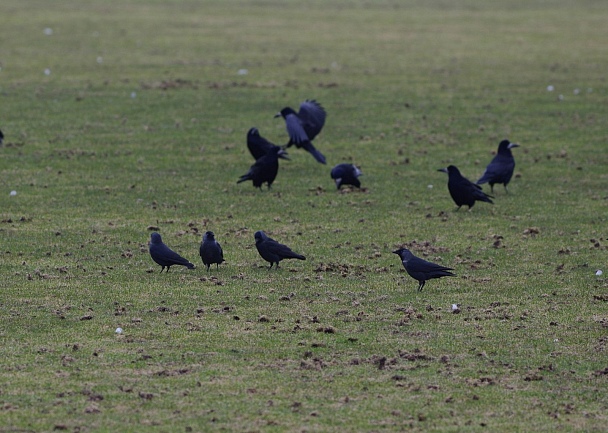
(317, 155)
(243, 178)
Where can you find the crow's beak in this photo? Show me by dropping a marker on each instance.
(444, 170)
(283, 155)
(512, 145)
(277, 115)
(396, 252)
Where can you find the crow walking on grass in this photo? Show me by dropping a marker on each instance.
(304, 126)
(264, 169)
(211, 251)
(259, 146)
(346, 174)
(500, 169)
(272, 251)
(421, 270)
(164, 256)
(462, 190)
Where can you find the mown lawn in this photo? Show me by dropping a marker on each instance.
(125, 117)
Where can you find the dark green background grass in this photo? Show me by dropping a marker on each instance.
(141, 123)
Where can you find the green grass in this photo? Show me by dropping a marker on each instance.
(142, 121)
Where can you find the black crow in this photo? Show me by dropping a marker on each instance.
(421, 270)
(346, 174)
(211, 251)
(1, 137)
(164, 256)
(259, 146)
(462, 190)
(264, 169)
(304, 126)
(272, 251)
(500, 169)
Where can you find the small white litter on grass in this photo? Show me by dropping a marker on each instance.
(47, 71)
(243, 72)
(48, 31)
(133, 95)
(599, 272)
(550, 88)
(13, 193)
(118, 330)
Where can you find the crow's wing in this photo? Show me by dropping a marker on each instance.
(499, 169)
(258, 167)
(297, 134)
(258, 146)
(167, 256)
(421, 265)
(312, 115)
(212, 252)
(280, 250)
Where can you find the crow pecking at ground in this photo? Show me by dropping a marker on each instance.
(346, 174)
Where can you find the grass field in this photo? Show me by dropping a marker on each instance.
(124, 116)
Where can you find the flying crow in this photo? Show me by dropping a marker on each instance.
(272, 251)
(211, 251)
(259, 146)
(421, 270)
(500, 169)
(462, 190)
(304, 126)
(264, 169)
(346, 174)
(164, 256)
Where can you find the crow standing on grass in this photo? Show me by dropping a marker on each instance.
(1, 137)
(462, 190)
(346, 174)
(211, 251)
(500, 169)
(272, 251)
(164, 256)
(420, 269)
(264, 169)
(304, 126)
(259, 146)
